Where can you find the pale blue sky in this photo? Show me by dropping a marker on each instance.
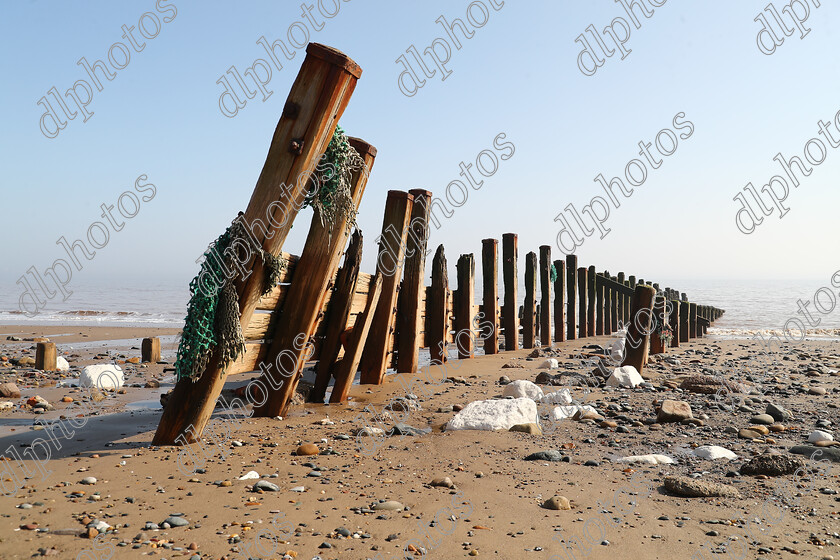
(517, 75)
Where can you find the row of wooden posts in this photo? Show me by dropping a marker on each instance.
(349, 321)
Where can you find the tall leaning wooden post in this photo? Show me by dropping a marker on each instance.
(437, 309)
(571, 293)
(545, 295)
(305, 297)
(411, 293)
(582, 312)
(529, 316)
(590, 300)
(674, 322)
(389, 263)
(318, 97)
(510, 313)
(464, 324)
(559, 301)
(638, 331)
(692, 320)
(490, 299)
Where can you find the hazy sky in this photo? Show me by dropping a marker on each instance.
(517, 75)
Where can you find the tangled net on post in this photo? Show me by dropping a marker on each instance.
(329, 191)
(213, 311)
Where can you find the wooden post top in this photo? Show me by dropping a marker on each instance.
(362, 147)
(420, 192)
(399, 194)
(334, 57)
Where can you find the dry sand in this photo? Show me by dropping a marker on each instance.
(493, 512)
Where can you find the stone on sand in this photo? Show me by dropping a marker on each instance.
(102, 376)
(651, 459)
(529, 428)
(696, 488)
(557, 503)
(713, 452)
(626, 376)
(495, 414)
(771, 465)
(673, 411)
(523, 388)
(819, 435)
(307, 449)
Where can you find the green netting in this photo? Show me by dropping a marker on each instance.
(553, 273)
(212, 319)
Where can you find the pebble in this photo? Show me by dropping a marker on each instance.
(88, 480)
(557, 503)
(266, 486)
(390, 505)
(175, 521)
(764, 419)
(307, 449)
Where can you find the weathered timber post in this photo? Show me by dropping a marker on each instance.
(608, 299)
(657, 345)
(674, 322)
(684, 319)
(510, 317)
(545, 295)
(626, 299)
(537, 325)
(599, 308)
(614, 308)
(464, 316)
(490, 277)
(45, 356)
(559, 301)
(376, 355)
(638, 331)
(571, 292)
(582, 313)
(590, 301)
(317, 100)
(295, 327)
(529, 323)
(622, 300)
(692, 320)
(336, 318)
(411, 293)
(437, 309)
(150, 350)
(346, 369)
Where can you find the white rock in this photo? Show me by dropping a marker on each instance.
(558, 397)
(626, 376)
(99, 525)
(495, 414)
(522, 388)
(713, 452)
(250, 475)
(653, 459)
(6, 405)
(550, 363)
(819, 435)
(88, 480)
(563, 412)
(102, 376)
(61, 364)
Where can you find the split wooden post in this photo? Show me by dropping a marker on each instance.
(545, 295)
(291, 341)
(490, 277)
(510, 315)
(464, 316)
(529, 323)
(411, 293)
(346, 369)
(599, 308)
(638, 332)
(150, 350)
(590, 301)
(571, 293)
(657, 345)
(337, 315)
(692, 320)
(378, 347)
(317, 100)
(685, 331)
(45, 356)
(675, 323)
(559, 301)
(622, 299)
(582, 313)
(437, 309)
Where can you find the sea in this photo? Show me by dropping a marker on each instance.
(752, 306)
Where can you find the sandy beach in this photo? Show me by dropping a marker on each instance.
(492, 506)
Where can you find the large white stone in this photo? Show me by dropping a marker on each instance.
(563, 412)
(102, 376)
(653, 459)
(523, 388)
(563, 396)
(495, 414)
(819, 435)
(550, 363)
(713, 452)
(61, 364)
(626, 376)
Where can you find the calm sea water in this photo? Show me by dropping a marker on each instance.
(751, 306)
